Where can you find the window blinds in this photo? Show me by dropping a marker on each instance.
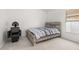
(72, 15)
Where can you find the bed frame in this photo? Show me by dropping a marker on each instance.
(33, 39)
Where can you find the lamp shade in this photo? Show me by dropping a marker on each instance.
(15, 23)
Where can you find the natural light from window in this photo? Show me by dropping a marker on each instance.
(72, 27)
(72, 20)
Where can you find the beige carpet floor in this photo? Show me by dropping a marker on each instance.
(53, 44)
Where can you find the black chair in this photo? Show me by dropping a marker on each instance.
(15, 32)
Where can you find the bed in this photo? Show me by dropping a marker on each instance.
(50, 31)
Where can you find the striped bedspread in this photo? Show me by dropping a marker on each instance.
(43, 31)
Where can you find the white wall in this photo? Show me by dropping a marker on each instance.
(55, 15)
(27, 18)
(2, 18)
(59, 15)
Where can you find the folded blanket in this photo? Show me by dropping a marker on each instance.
(43, 31)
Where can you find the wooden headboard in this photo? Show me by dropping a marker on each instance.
(53, 25)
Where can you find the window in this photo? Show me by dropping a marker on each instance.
(72, 20)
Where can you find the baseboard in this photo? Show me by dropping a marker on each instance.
(70, 40)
